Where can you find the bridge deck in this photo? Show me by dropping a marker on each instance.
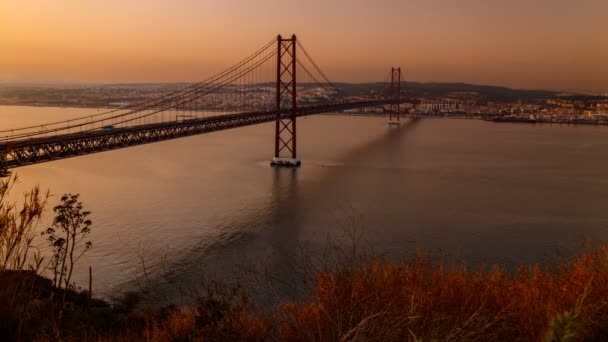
(38, 150)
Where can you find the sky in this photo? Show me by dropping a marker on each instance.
(532, 44)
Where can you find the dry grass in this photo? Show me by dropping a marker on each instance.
(374, 301)
(384, 301)
(414, 301)
(223, 314)
(18, 226)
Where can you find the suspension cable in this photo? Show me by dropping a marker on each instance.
(173, 95)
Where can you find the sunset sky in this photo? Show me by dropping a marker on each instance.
(551, 44)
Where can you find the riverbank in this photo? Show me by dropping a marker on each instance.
(541, 120)
(356, 299)
(457, 115)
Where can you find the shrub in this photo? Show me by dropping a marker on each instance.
(18, 225)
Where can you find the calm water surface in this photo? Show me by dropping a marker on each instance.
(485, 192)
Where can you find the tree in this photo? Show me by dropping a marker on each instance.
(69, 230)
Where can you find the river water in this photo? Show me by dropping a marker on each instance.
(166, 213)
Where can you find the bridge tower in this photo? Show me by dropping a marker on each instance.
(285, 124)
(395, 94)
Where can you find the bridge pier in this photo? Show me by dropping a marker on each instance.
(285, 123)
(285, 162)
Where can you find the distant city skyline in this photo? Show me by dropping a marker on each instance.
(545, 44)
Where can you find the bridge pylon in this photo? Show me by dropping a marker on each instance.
(395, 94)
(285, 124)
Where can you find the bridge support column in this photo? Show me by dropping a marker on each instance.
(394, 108)
(285, 125)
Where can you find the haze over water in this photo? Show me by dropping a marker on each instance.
(483, 192)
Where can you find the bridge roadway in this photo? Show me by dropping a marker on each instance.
(24, 152)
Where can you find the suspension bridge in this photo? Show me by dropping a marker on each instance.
(266, 86)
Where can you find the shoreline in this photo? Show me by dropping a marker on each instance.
(490, 117)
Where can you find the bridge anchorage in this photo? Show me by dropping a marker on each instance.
(395, 94)
(285, 126)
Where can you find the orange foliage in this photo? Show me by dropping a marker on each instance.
(387, 301)
(415, 301)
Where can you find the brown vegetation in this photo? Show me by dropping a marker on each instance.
(421, 301)
(377, 301)
(416, 301)
(17, 226)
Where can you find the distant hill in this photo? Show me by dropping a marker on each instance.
(101, 95)
(461, 90)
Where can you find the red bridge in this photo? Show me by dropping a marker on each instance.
(261, 88)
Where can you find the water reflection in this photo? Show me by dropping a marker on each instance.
(265, 250)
